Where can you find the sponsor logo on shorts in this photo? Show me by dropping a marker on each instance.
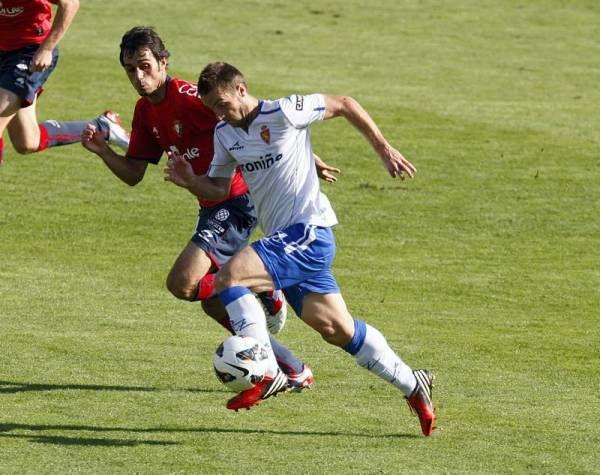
(222, 215)
(299, 103)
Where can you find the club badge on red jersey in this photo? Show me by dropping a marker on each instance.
(265, 134)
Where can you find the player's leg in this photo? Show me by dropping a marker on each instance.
(298, 260)
(275, 261)
(187, 272)
(299, 374)
(17, 78)
(245, 269)
(9, 100)
(29, 136)
(24, 131)
(8, 104)
(26, 135)
(327, 314)
(220, 231)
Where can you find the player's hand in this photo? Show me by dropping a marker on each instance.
(93, 139)
(326, 172)
(42, 59)
(396, 164)
(179, 171)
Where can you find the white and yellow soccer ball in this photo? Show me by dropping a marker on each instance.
(240, 362)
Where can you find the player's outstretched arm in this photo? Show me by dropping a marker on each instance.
(126, 169)
(180, 172)
(65, 13)
(349, 108)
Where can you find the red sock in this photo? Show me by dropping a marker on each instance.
(206, 287)
(1, 148)
(44, 138)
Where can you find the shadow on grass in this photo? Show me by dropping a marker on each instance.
(12, 387)
(9, 427)
(86, 441)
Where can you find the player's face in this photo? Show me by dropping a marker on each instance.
(228, 104)
(145, 72)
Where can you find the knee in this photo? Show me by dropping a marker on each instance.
(223, 280)
(24, 148)
(182, 288)
(335, 334)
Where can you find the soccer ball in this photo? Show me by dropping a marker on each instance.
(240, 362)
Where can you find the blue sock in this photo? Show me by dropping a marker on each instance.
(360, 331)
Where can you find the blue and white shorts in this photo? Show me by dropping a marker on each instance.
(299, 260)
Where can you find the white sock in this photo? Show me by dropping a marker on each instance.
(376, 355)
(248, 319)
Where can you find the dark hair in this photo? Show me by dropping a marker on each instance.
(219, 74)
(142, 37)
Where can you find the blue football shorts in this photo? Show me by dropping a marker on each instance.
(299, 260)
(224, 229)
(16, 77)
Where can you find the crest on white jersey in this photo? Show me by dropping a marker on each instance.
(265, 134)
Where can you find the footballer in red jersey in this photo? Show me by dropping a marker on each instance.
(169, 118)
(181, 124)
(28, 55)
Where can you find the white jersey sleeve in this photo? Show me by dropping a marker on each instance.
(301, 111)
(223, 164)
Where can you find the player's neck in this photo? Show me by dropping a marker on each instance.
(253, 108)
(159, 93)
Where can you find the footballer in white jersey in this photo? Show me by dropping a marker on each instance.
(270, 142)
(276, 159)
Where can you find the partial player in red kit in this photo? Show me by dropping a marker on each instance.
(28, 55)
(170, 118)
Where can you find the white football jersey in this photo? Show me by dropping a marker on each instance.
(276, 160)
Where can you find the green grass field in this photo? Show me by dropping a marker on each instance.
(485, 268)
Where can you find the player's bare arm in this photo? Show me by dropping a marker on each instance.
(180, 172)
(127, 169)
(65, 13)
(353, 112)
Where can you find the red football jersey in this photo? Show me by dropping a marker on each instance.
(179, 123)
(24, 22)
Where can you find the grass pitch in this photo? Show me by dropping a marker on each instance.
(485, 268)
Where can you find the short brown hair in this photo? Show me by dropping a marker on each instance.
(142, 37)
(219, 74)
